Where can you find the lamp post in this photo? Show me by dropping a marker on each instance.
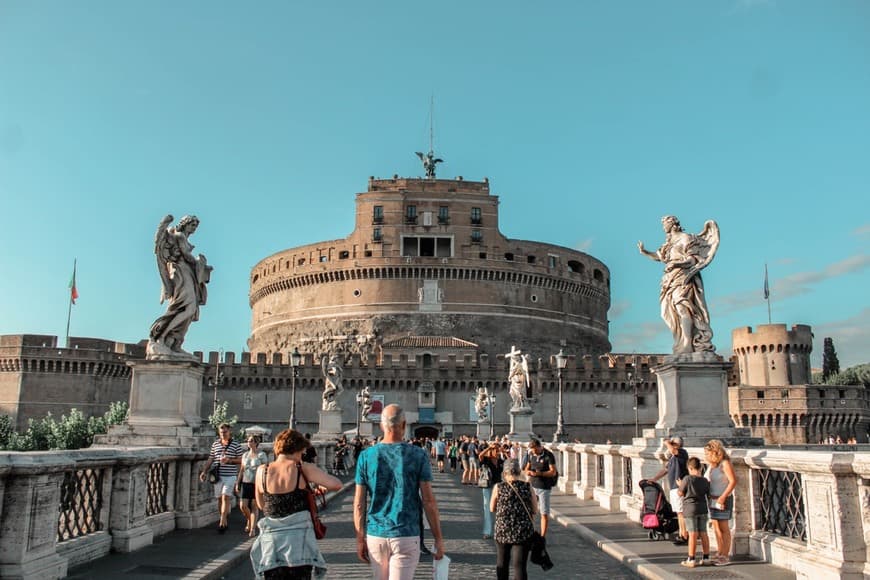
(491, 398)
(561, 363)
(219, 379)
(634, 378)
(295, 360)
(359, 400)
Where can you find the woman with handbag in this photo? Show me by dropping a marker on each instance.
(287, 546)
(514, 504)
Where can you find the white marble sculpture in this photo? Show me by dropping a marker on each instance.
(683, 305)
(519, 379)
(481, 404)
(333, 374)
(184, 277)
(366, 402)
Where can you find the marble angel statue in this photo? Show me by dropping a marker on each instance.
(366, 402)
(683, 303)
(333, 375)
(184, 278)
(519, 379)
(481, 404)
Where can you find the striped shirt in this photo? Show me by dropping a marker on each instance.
(230, 450)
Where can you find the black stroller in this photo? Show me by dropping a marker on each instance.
(657, 516)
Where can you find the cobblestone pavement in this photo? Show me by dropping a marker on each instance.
(471, 556)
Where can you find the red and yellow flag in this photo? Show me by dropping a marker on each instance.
(73, 291)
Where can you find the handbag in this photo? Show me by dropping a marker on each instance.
(537, 543)
(214, 474)
(319, 526)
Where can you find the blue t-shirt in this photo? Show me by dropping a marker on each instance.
(392, 473)
(440, 447)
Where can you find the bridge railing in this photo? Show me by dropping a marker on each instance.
(805, 510)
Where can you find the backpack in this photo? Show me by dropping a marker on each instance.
(485, 479)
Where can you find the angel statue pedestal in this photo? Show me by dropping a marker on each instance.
(483, 431)
(330, 425)
(365, 429)
(165, 399)
(521, 424)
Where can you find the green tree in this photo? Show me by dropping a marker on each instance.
(830, 362)
(6, 431)
(221, 415)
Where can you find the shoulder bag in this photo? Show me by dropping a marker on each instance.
(319, 526)
(214, 473)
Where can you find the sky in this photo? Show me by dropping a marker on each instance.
(591, 120)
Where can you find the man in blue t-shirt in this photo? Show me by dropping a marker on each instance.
(393, 483)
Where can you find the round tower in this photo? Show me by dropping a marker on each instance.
(773, 355)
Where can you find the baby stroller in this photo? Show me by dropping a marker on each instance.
(657, 516)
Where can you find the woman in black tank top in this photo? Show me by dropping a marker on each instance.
(281, 489)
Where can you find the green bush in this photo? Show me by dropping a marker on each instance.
(72, 431)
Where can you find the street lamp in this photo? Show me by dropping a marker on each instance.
(295, 360)
(491, 397)
(219, 379)
(561, 363)
(634, 378)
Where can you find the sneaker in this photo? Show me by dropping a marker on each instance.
(681, 541)
(722, 562)
(689, 563)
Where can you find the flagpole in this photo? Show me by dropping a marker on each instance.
(767, 293)
(69, 308)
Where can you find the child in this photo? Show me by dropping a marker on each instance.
(695, 491)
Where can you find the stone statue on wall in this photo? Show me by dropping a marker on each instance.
(481, 404)
(366, 402)
(429, 162)
(519, 379)
(184, 278)
(683, 304)
(333, 374)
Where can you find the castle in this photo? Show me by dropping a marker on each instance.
(420, 303)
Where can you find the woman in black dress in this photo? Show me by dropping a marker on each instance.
(514, 504)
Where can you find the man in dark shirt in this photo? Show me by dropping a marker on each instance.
(676, 470)
(540, 466)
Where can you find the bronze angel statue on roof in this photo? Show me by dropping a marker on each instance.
(683, 304)
(429, 162)
(184, 277)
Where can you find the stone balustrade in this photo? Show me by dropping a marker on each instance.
(807, 510)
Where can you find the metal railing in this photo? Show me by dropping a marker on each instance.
(780, 503)
(158, 485)
(81, 501)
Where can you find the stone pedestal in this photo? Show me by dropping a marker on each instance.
(483, 431)
(365, 429)
(330, 425)
(693, 401)
(165, 399)
(521, 424)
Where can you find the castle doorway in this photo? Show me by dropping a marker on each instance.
(426, 431)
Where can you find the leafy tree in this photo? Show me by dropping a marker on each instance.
(6, 430)
(221, 415)
(830, 362)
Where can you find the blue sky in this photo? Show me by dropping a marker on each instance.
(591, 120)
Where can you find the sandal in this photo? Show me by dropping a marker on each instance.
(722, 561)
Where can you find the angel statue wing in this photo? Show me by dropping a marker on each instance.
(707, 245)
(162, 252)
(421, 156)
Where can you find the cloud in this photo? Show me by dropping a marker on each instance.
(584, 245)
(619, 308)
(792, 285)
(861, 230)
(851, 339)
(785, 261)
(639, 336)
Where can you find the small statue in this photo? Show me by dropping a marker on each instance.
(683, 305)
(519, 379)
(481, 404)
(366, 401)
(429, 162)
(184, 277)
(332, 378)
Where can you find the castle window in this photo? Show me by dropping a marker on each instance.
(377, 236)
(509, 257)
(759, 394)
(842, 393)
(378, 214)
(641, 401)
(482, 255)
(343, 255)
(821, 393)
(784, 393)
(476, 236)
(411, 214)
(300, 262)
(476, 218)
(531, 259)
(443, 215)
(552, 260)
(534, 298)
(323, 258)
(575, 266)
(367, 253)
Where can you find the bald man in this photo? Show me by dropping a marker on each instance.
(392, 478)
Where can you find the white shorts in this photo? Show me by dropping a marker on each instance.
(225, 486)
(676, 501)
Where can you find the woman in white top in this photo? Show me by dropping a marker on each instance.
(722, 484)
(251, 460)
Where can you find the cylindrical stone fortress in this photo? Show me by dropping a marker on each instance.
(426, 258)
